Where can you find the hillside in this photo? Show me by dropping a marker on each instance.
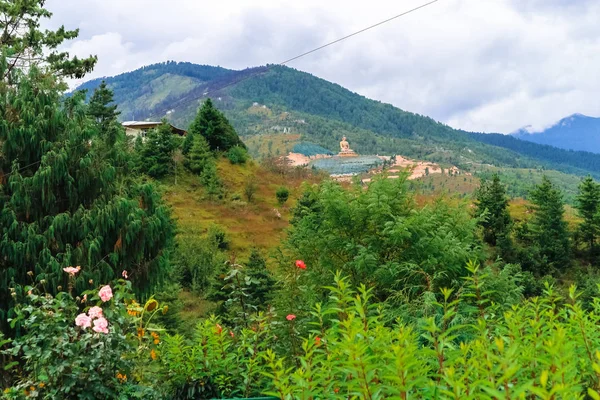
(282, 101)
(575, 132)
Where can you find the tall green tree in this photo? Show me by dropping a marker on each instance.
(548, 226)
(26, 45)
(588, 207)
(102, 107)
(492, 211)
(216, 129)
(157, 151)
(199, 156)
(64, 203)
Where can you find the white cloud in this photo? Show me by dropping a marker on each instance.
(493, 65)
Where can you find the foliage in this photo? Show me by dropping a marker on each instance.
(237, 155)
(250, 190)
(27, 46)
(195, 262)
(548, 228)
(199, 157)
(60, 357)
(588, 206)
(493, 215)
(282, 195)
(157, 151)
(378, 237)
(215, 128)
(66, 200)
(102, 108)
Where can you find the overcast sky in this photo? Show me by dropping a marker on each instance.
(480, 65)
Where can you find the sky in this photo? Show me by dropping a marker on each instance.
(479, 65)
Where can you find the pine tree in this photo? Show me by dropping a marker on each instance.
(588, 207)
(261, 283)
(548, 227)
(216, 129)
(102, 108)
(199, 156)
(64, 203)
(157, 151)
(26, 45)
(492, 205)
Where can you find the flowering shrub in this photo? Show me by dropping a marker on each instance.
(83, 348)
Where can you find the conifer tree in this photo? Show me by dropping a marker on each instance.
(157, 151)
(261, 283)
(588, 207)
(102, 108)
(25, 45)
(492, 203)
(199, 156)
(216, 129)
(548, 227)
(62, 202)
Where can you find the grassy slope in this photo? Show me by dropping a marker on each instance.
(247, 225)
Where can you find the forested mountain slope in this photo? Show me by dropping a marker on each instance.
(575, 132)
(283, 100)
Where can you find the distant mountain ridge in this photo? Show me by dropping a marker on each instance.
(279, 100)
(575, 132)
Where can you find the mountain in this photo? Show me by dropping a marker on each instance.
(575, 132)
(287, 107)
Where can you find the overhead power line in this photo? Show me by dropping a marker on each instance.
(268, 68)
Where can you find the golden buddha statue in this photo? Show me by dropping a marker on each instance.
(345, 149)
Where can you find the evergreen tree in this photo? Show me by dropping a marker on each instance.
(261, 283)
(26, 45)
(157, 151)
(102, 108)
(548, 227)
(64, 203)
(588, 206)
(492, 205)
(216, 129)
(199, 156)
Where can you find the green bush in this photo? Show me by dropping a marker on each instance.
(237, 155)
(282, 195)
(85, 347)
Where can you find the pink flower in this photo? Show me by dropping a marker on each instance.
(290, 317)
(72, 271)
(84, 299)
(83, 321)
(100, 325)
(95, 312)
(300, 264)
(105, 293)
(124, 274)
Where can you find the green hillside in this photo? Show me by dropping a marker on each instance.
(284, 101)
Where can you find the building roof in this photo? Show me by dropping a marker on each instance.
(140, 125)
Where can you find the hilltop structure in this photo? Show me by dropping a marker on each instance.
(346, 151)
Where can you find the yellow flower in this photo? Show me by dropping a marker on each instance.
(41, 385)
(153, 354)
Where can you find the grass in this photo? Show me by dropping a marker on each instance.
(266, 145)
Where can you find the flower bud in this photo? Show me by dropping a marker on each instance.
(30, 273)
(59, 288)
(43, 281)
(91, 281)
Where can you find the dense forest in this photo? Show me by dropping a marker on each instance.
(303, 287)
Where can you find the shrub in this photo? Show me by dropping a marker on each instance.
(237, 155)
(195, 260)
(250, 190)
(86, 347)
(282, 195)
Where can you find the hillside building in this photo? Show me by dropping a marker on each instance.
(140, 128)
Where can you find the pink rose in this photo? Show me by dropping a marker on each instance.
(105, 293)
(95, 312)
(100, 325)
(72, 271)
(83, 321)
(290, 317)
